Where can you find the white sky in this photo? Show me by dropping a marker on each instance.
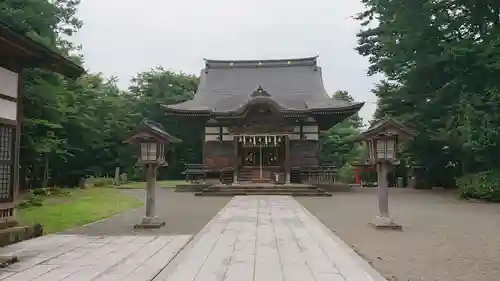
(123, 37)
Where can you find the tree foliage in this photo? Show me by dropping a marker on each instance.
(338, 145)
(441, 64)
(72, 129)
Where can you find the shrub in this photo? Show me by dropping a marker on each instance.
(36, 200)
(40, 191)
(23, 204)
(483, 185)
(59, 191)
(97, 182)
(346, 174)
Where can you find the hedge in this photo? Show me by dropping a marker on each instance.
(484, 185)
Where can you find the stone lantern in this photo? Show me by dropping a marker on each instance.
(152, 140)
(383, 139)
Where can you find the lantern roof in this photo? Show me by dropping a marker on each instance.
(388, 126)
(149, 130)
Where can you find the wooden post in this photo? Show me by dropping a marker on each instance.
(356, 172)
(117, 176)
(287, 160)
(150, 191)
(235, 160)
(384, 220)
(150, 221)
(383, 190)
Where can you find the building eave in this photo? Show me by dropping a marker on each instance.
(38, 55)
(210, 63)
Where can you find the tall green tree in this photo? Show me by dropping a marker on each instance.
(157, 87)
(338, 146)
(440, 60)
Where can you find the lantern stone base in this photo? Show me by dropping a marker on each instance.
(383, 223)
(150, 223)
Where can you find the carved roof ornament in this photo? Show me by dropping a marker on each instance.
(260, 92)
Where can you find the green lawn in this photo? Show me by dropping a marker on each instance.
(163, 184)
(81, 207)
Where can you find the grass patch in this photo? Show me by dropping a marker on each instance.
(82, 206)
(162, 184)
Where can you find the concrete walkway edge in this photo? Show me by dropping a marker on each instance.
(372, 272)
(173, 264)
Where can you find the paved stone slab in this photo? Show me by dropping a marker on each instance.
(257, 238)
(85, 258)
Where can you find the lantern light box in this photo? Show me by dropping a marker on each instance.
(382, 140)
(152, 140)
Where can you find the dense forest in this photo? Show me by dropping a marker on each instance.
(440, 61)
(75, 129)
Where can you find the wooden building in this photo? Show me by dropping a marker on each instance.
(17, 52)
(262, 118)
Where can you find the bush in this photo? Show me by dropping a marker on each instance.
(36, 200)
(33, 200)
(346, 174)
(40, 191)
(97, 182)
(59, 191)
(484, 186)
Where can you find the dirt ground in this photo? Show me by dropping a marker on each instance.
(184, 213)
(444, 238)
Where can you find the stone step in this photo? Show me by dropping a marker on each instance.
(289, 193)
(247, 190)
(271, 187)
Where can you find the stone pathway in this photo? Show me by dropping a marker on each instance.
(267, 238)
(253, 238)
(86, 258)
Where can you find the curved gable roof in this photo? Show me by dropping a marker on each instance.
(294, 84)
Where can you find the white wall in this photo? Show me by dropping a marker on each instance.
(8, 82)
(212, 133)
(310, 133)
(8, 109)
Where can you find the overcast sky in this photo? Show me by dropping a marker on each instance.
(124, 37)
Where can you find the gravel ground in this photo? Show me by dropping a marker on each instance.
(444, 239)
(183, 212)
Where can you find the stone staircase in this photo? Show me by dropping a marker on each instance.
(247, 175)
(262, 189)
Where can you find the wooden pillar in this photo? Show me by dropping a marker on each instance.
(383, 190)
(235, 160)
(384, 220)
(150, 191)
(150, 220)
(288, 161)
(356, 172)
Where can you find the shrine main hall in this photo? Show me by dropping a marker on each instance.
(262, 118)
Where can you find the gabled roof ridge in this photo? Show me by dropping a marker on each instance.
(264, 60)
(229, 64)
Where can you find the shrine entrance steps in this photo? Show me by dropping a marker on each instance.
(255, 175)
(250, 188)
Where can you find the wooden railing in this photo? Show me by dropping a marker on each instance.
(318, 175)
(194, 173)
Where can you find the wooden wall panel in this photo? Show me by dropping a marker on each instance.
(218, 155)
(304, 153)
